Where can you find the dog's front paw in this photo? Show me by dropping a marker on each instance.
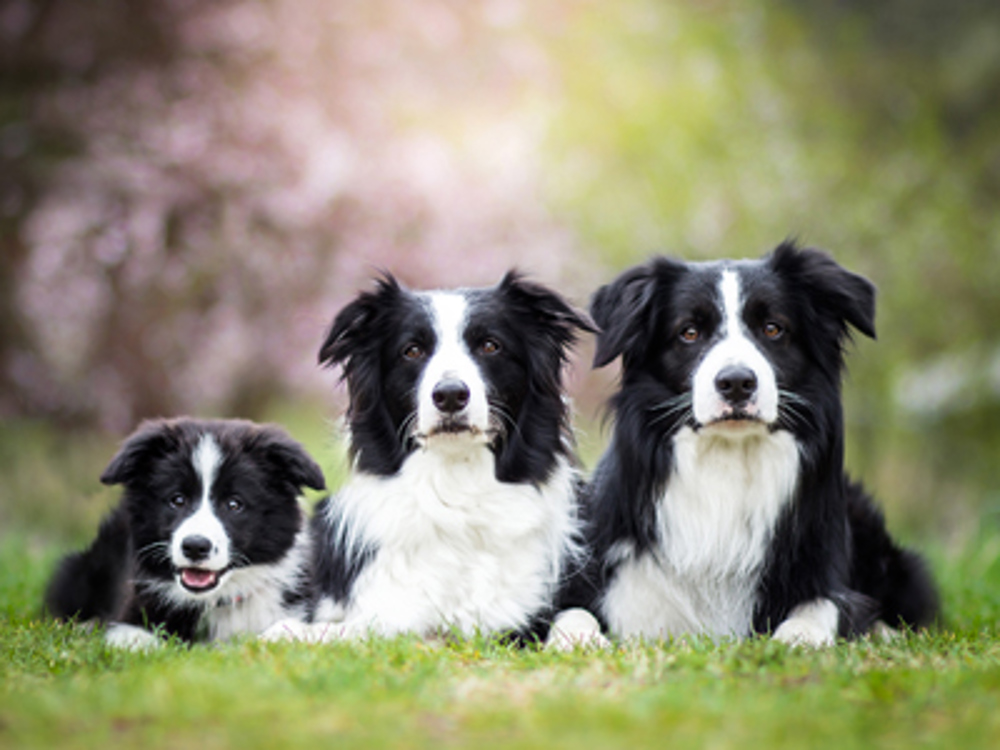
(306, 632)
(130, 638)
(813, 625)
(575, 628)
(288, 629)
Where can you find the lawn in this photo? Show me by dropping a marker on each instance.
(61, 688)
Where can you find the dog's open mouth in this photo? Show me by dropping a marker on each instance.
(199, 580)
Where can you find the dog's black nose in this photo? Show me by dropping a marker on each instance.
(736, 384)
(196, 548)
(450, 396)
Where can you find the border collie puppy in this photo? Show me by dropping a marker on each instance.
(208, 541)
(461, 514)
(721, 506)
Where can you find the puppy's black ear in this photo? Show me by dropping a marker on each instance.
(290, 458)
(545, 306)
(352, 327)
(625, 310)
(831, 288)
(152, 439)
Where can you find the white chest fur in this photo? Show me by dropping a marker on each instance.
(253, 597)
(455, 547)
(715, 521)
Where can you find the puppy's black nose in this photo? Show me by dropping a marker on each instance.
(736, 384)
(196, 548)
(450, 396)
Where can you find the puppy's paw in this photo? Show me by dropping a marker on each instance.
(813, 625)
(131, 638)
(575, 628)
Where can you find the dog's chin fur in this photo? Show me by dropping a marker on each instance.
(459, 515)
(721, 506)
(180, 477)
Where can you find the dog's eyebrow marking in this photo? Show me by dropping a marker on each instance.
(206, 459)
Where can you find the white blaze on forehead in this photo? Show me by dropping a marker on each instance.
(451, 359)
(733, 347)
(729, 291)
(207, 459)
(449, 312)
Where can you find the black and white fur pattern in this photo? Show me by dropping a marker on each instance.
(208, 541)
(461, 513)
(721, 506)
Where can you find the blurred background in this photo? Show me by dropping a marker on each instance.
(190, 190)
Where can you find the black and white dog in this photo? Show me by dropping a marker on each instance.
(208, 541)
(721, 506)
(461, 512)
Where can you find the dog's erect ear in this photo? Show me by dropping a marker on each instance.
(289, 458)
(625, 309)
(353, 325)
(153, 438)
(545, 306)
(830, 287)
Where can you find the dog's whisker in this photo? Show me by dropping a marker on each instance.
(683, 399)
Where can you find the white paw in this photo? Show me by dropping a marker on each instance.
(306, 632)
(882, 633)
(575, 628)
(130, 638)
(813, 625)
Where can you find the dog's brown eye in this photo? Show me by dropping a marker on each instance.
(690, 334)
(234, 504)
(413, 351)
(489, 346)
(773, 330)
(177, 501)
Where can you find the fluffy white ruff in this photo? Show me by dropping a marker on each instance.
(456, 549)
(716, 519)
(813, 625)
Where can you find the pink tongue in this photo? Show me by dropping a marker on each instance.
(198, 579)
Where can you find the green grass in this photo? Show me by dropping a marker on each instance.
(60, 687)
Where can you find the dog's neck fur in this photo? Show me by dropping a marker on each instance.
(455, 547)
(715, 517)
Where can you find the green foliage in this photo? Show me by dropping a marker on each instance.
(61, 687)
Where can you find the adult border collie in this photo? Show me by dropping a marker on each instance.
(461, 513)
(208, 541)
(721, 506)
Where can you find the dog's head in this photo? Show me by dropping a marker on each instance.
(734, 346)
(207, 498)
(449, 370)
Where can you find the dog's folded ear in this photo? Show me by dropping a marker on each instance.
(545, 306)
(838, 293)
(625, 310)
(289, 458)
(152, 439)
(353, 326)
